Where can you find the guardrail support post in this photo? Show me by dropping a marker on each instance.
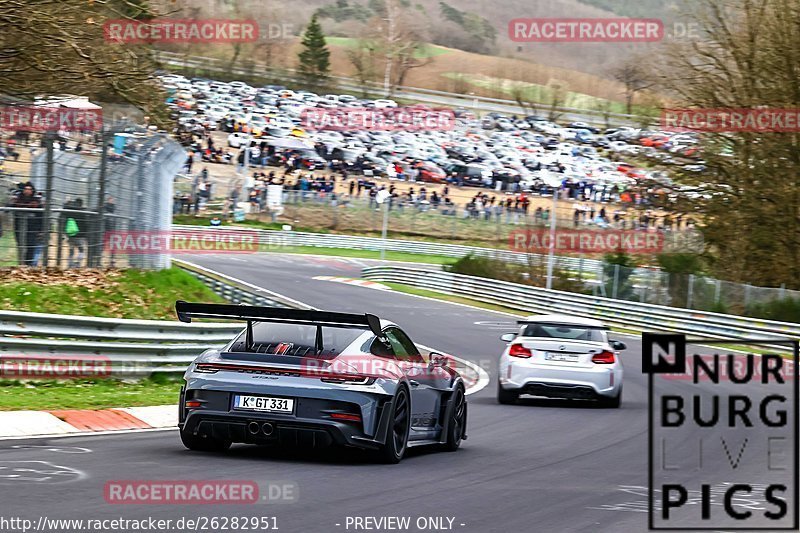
(690, 292)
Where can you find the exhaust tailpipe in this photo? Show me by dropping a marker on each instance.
(267, 428)
(252, 428)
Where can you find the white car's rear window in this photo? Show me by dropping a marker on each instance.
(565, 331)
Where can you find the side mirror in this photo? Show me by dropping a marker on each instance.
(438, 360)
(508, 337)
(618, 345)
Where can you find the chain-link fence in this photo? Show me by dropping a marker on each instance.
(67, 194)
(689, 291)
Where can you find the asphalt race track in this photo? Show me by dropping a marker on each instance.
(542, 465)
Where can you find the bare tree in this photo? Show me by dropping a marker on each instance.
(635, 79)
(401, 44)
(558, 96)
(362, 57)
(58, 47)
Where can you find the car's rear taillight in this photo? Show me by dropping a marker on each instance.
(349, 417)
(206, 368)
(192, 404)
(604, 358)
(518, 350)
(355, 379)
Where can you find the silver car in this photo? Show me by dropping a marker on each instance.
(316, 378)
(559, 356)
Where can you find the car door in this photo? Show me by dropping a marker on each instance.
(425, 397)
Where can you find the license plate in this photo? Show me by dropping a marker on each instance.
(264, 403)
(564, 357)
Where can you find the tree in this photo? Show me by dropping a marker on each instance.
(315, 64)
(635, 80)
(558, 96)
(362, 57)
(617, 270)
(58, 47)
(400, 43)
(749, 201)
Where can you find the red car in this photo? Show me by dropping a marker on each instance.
(428, 172)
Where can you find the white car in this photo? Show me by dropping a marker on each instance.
(238, 139)
(384, 104)
(560, 356)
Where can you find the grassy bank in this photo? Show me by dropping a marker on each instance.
(357, 222)
(101, 293)
(86, 394)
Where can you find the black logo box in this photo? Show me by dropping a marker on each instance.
(675, 363)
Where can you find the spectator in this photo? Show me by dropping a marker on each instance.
(28, 225)
(76, 230)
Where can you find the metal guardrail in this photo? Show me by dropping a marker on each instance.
(272, 240)
(620, 313)
(237, 291)
(124, 347)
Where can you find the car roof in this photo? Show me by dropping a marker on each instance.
(565, 319)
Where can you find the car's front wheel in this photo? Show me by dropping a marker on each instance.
(200, 443)
(399, 428)
(506, 397)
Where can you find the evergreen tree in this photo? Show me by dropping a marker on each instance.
(315, 57)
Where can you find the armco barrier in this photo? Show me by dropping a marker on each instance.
(274, 240)
(131, 347)
(620, 313)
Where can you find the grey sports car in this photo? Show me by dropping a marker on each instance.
(316, 378)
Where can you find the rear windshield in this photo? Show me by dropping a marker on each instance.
(564, 331)
(296, 340)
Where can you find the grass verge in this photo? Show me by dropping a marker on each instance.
(88, 394)
(365, 254)
(113, 294)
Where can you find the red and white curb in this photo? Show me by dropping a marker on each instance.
(356, 282)
(20, 424)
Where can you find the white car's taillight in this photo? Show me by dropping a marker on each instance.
(518, 350)
(604, 358)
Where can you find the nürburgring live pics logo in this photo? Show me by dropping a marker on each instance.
(721, 420)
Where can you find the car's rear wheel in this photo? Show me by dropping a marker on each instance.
(200, 443)
(458, 420)
(399, 426)
(613, 402)
(506, 397)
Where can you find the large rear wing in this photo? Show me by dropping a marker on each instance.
(186, 311)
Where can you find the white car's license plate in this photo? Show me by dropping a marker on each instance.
(264, 403)
(564, 357)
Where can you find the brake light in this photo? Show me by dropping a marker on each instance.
(518, 350)
(604, 358)
(355, 379)
(346, 416)
(311, 372)
(192, 404)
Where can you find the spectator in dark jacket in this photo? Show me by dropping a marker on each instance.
(28, 225)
